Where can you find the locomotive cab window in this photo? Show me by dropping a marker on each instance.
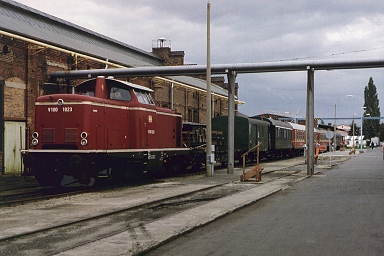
(144, 97)
(120, 94)
(86, 89)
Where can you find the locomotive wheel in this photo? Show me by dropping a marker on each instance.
(53, 179)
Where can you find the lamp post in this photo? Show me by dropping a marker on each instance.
(361, 130)
(334, 133)
(361, 134)
(353, 131)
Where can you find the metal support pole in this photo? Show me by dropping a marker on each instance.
(361, 134)
(231, 122)
(353, 131)
(209, 161)
(171, 95)
(334, 132)
(310, 117)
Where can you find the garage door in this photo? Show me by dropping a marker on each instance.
(14, 141)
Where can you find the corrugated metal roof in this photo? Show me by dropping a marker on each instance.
(202, 84)
(26, 21)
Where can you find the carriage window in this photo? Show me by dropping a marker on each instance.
(120, 94)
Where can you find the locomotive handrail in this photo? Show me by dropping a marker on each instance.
(201, 146)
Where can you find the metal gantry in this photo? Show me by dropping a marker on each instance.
(231, 70)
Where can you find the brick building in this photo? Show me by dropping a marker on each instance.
(33, 44)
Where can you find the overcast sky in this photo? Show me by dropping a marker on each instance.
(247, 31)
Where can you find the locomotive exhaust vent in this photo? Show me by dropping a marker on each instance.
(48, 135)
(70, 135)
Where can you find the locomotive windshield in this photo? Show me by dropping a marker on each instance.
(120, 94)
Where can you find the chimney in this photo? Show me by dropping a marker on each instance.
(162, 48)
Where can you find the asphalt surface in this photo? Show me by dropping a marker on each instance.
(336, 212)
(154, 234)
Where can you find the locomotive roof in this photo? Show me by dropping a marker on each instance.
(122, 83)
(136, 86)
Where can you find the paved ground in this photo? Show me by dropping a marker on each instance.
(13, 219)
(337, 212)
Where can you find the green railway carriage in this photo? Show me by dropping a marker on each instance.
(281, 138)
(248, 133)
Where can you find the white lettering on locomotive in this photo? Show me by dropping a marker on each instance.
(53, 110)
(67, 109)
(151, 131)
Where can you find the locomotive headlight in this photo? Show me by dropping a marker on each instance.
(84, 135)
(35, 135)
(84, 142)
(35, 142)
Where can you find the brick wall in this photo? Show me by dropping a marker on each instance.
(25, 67)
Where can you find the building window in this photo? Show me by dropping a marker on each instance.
(196, 116)
(189, 115)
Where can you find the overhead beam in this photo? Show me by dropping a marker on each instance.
(264, 67)
(283, 66)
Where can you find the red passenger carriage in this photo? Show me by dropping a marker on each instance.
(298, 138)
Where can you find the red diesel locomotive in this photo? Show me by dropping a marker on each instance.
(107, 128)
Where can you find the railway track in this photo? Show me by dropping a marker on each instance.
(65, 236)
(14, 197)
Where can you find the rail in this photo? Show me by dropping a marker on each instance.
(255, 171)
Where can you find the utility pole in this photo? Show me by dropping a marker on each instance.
(310, 117)
(208, 150)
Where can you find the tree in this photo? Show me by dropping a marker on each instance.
(371, 127)
(381, 136)
(357, 130)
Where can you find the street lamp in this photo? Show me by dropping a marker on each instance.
(361, 130)
(353, 131)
